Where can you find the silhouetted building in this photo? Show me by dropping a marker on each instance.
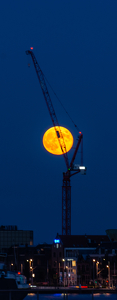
(11, 236)
(105, 263)
(71, 261)
(33, 262)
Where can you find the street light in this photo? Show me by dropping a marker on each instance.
(32, 274)
(11, 265)
(67, 274)
(97, 263)
(31, 268)
(93, 269)
(63, 259)
(108, 275)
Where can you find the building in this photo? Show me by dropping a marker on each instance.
(57, 261)
(11, 236)
(89, 260)
(104, 263)
(71, 258)
(32, 261)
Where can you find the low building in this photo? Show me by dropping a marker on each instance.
(32, 261)
(71, 261)
(104, 263)
(11, 236)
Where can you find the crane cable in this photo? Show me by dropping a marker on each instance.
(61, 103)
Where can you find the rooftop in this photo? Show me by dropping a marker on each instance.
(83, 241)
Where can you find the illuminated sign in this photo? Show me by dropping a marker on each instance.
(56, 241)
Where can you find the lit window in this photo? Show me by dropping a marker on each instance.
(73, 263)
(57, 245)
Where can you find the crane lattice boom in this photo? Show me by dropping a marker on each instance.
(71, 169)
(43, 85)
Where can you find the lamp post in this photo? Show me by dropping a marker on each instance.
(31, 269)
(11, 266)
(33, 275)
(64, 269)
(97, 263)
(93, 269)
(67, 274)
(108, 275)
(59, 273)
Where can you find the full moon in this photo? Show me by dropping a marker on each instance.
(51, 143)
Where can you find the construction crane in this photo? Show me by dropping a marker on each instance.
(72, 168)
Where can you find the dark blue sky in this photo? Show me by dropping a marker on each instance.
(75, 43)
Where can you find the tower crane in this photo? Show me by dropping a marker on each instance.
(72, 168)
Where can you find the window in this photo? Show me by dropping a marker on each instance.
(59, 254)
(31, 234)
(57, 245)
(54, 254)
(78, 267)
(83, 268)
(73, 263)
(68, 263)
(87, 267)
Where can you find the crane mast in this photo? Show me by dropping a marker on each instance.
(66, 188)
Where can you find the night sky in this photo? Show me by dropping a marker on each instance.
(75, 43)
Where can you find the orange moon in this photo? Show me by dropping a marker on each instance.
(51, 143)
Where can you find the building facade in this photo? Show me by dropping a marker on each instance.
(11, 236)
(71, 258)
(82, 260)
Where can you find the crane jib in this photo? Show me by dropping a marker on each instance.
(43, 85)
